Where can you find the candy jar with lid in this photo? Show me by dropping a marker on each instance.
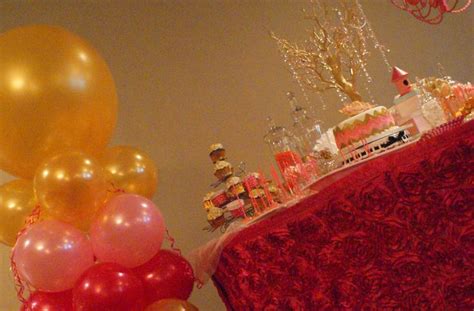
(285, 147)
(306, 129)
(432, 109)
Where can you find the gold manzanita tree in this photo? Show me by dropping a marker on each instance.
(335, 52)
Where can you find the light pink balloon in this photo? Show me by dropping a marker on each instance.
(129, 230)
(51, 255)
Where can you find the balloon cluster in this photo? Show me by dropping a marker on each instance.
(97, 244)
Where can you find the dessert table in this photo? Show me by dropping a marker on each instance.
(397, 232)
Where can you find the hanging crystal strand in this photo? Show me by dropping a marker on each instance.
(442, 73)
(367, 88)
(295, 74)
(368, 78)
(342, 97)
(323, 102)
(371, 34)
(317, 6)
(361, 59)
(441, 70)
(297, 78)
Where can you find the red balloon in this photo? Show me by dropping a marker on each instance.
(167, 275)
(42, 301)
(108, 287)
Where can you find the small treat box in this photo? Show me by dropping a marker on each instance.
(259, 200)
(252, 180)
(275, 192)
(235, 208)
(207, 201)
(223, 170)
(220, 198)
(215, 217)
(217, 153)
(235, 187)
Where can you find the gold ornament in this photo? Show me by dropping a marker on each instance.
(335, 52)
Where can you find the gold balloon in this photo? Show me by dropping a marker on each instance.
(171, 305)
(71, 187)
(56, 94)
(16, 204)
(130, 169)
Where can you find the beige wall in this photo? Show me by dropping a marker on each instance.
(190, 73)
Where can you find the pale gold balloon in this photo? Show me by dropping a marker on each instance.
(56, 94)
(171, 305)
(130, 169)
(16, 204)
(71, 187)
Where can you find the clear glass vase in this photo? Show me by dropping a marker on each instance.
(306, 128)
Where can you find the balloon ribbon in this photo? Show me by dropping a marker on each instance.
(20, 286)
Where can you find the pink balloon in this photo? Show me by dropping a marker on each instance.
(129, 231)
(51, 255)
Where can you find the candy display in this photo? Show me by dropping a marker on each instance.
(233, 201)
(303, 153)
(287, 151)
(451, 94)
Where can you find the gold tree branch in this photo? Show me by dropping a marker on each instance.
(333, 55)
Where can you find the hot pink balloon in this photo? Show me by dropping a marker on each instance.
(129, 230)
(51, 255)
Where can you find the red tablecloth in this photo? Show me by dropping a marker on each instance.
(397, 233)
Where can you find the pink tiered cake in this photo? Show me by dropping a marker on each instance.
(362, 126)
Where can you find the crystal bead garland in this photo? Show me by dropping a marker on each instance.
(342, 97)
(323, 102)
(363, 64)
(297, 78)
(371, 34)
(295, 74)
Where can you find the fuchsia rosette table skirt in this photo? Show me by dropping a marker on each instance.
(397, 233)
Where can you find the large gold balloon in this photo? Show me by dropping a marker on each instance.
(171, 305)
(71, 187)
(16, 204)
(130, 169)
(56, 94)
